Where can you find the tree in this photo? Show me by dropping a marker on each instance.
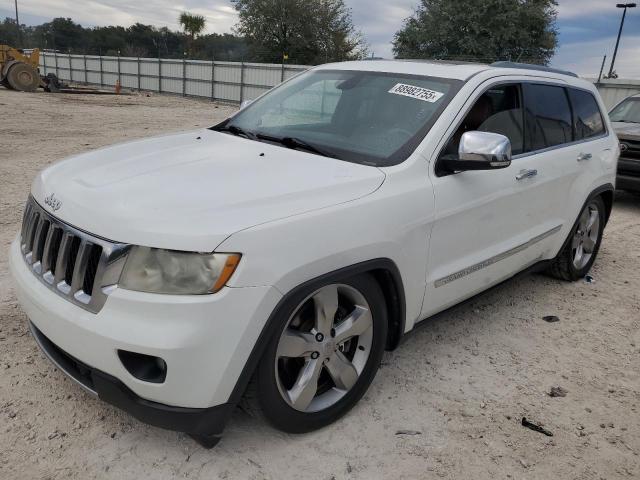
(485, 30)
(62, 34)
(193, 25)
(9, 32)
(306, 31)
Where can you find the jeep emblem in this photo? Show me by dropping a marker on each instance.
(53, 202)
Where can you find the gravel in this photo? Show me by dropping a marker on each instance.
(464, 380)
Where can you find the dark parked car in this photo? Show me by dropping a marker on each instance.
(626, 123)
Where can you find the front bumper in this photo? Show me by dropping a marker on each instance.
(205, 340)
(202, 423)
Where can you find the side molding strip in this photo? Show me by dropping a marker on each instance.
(501, 256)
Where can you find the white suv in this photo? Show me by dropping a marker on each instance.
(274, 257)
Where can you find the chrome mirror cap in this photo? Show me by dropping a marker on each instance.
(485, 147)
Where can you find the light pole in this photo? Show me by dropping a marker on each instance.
(18, 23)
(615, 51)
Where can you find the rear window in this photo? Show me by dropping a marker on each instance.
(547, 117)
(588, 119)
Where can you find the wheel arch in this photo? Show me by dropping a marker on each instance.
(383, 270)
(607, 197)
(605, 191)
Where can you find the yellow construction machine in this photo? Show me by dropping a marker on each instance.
(19, 68)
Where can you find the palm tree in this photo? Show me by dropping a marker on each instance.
(192, 25)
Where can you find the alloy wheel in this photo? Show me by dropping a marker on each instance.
(324, 348)
(585, 237)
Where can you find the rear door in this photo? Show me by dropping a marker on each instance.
(567, 141)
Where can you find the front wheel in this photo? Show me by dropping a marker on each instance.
(577, 257)
(326, 352)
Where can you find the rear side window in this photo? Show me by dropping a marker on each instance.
(547, 117)
(587, 116)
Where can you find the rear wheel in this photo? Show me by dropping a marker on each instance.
(324, 357)
(23, 77)
(578, 255)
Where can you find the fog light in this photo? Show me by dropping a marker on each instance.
(144, 367)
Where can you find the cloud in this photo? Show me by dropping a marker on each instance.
(587, 27)
(584, 8)
(220, 15)
(585, 58)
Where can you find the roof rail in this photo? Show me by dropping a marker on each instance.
(529, 66)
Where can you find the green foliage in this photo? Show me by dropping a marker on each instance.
(138, 40)
(307, 31)
(192, 24)
(482, 30)
(9, 32)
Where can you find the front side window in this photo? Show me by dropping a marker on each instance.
(498, 110)
(375, 118)
(588, 119)
(547, 116)
(628, 111)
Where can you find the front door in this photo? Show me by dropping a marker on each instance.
(490, 224)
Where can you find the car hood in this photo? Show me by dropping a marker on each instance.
(192, 190)
(630, 131)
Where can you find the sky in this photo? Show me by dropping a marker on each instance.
(587, 28)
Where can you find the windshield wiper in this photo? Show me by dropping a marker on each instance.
(295, 143)
(237, 131)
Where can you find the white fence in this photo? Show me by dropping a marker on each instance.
(221, 81)
(613, 91)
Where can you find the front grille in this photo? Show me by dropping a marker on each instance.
(78, 266)
(632, 149)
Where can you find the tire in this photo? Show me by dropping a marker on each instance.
(308, 346)
(586, 235)
(23, 77)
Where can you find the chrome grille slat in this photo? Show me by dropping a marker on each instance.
(28, 240)
(64, 257)
(25, 223)
(80, 266)
(47, 252)
(38, 242)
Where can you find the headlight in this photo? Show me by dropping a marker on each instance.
(155, 270)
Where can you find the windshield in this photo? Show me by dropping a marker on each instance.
(627, 111)
(366, 117)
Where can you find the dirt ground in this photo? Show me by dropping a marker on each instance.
(463, 381)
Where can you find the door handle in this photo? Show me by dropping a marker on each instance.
(526, 174)
(584, 156)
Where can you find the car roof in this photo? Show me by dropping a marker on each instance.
(447, 69)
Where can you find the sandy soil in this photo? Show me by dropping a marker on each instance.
(464, 380)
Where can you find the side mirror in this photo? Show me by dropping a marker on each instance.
(480, 151)
(245, 104)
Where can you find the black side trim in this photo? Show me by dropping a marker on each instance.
(198, 422)
(295, 296)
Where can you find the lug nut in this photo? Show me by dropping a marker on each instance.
(315, 355)
(319, 337)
